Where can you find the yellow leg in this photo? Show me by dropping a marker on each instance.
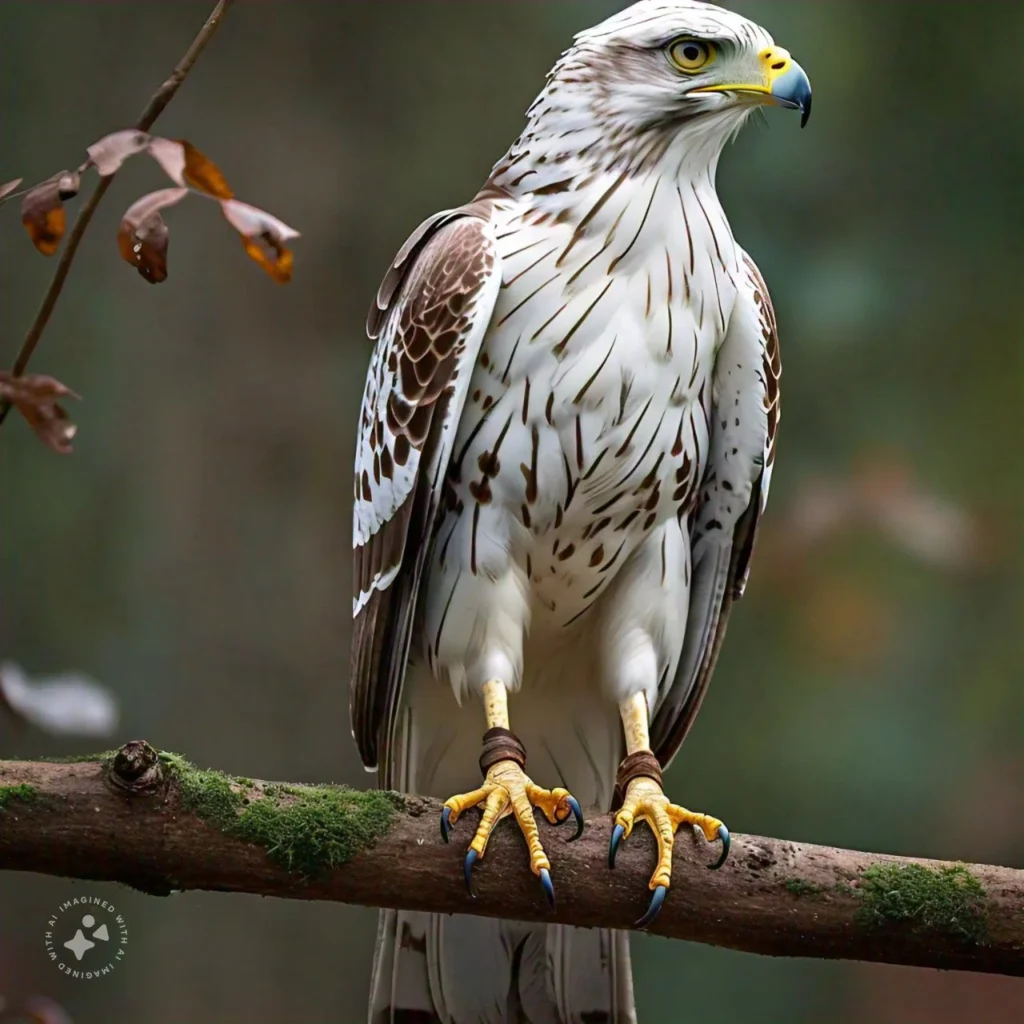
(645, 800)
(507, 789)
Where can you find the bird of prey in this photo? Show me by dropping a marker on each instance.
(565, 444)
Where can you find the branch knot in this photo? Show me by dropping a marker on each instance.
(136, 768)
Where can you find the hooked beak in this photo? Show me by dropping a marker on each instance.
(784, 83)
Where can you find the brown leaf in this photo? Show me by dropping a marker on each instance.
(170, 156)
(35, 396)
(186, 165)
(203, 174)
(8, 187)
(143, 237)
(276, 260)
(42, 213)
(180, 160)
(68, 185)
(264, 238)
(111, 151)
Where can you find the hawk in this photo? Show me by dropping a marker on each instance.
(565, 444)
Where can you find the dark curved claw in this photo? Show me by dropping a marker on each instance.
(446, 827)
(549, 889)
(723, 834)
(577, 813)
(613, 847)
(654, 907)
(471, 858)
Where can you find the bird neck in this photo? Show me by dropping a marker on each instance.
(557, 156)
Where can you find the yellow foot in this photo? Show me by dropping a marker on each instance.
(645, 801)
(507, 789)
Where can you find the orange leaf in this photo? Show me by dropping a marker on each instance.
(143, 237)
(180, 160)
(35, 397)
(273, 258)
(203, 174)
(42, 213)
(264, 238)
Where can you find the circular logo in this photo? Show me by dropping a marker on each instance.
(86, 937)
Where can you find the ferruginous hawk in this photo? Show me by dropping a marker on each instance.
(565, 444)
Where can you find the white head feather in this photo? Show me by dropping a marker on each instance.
(616, 100)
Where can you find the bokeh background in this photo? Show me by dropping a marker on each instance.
(193, 553)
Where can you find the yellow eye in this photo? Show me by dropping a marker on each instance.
(691, 55)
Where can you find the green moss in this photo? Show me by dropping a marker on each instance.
(22, 792)
(949, 900)
(305, 828)
(799, 887)
(104, 757)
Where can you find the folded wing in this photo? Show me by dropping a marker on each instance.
(428, 321)
(744, 424)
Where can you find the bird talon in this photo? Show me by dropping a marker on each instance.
(723, 834)
(613, 847)
(654, 907)
(508, 790)
(549, 888)
(646, 801)
(577, 813)
(471, 858)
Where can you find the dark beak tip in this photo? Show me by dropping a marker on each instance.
(805, 112)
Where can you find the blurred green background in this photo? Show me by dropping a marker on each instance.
(193, 553)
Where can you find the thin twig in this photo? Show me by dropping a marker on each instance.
(154, 108)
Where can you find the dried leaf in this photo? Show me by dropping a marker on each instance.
(69, 704)
(272, 257)
(186, 165)
(8, 187)
(143, 237)
(203, 174)
(36, 396)
(68, 185)
(170, 156)
(264, 237)
(111, 151)
(42, 213)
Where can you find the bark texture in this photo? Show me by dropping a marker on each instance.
(155, 822)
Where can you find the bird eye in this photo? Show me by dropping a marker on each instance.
(691, 55)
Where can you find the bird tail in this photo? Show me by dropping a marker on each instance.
(456, 969)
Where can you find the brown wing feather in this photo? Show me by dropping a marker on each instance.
(429, 317)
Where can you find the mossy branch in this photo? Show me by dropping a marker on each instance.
(157, 823)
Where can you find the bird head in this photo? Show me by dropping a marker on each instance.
(660, 69)
(684, 58)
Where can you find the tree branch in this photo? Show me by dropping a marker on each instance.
(154, 108)
(157, 823)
